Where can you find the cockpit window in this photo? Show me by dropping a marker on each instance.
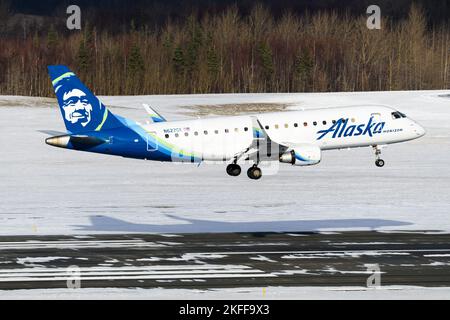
(398, 115)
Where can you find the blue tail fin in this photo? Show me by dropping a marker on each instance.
(81, 110)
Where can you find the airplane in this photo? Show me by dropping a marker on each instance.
(292, 137)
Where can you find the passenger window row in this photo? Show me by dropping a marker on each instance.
(305, 124)
(205, 132)
(267, 127)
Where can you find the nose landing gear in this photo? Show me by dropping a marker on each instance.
(378, 161)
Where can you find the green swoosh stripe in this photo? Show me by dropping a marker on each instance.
(170, 146)
(64, 75)
(105, 115)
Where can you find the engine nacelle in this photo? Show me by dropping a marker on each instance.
(304, 155)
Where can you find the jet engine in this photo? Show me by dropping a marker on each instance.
(302, 155)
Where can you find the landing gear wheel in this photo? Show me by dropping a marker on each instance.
(233, 170)
(379, 162)
(254, 173)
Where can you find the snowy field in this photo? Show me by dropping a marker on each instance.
(269, 293)
(47, 190)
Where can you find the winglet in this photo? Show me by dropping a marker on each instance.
(258, 130)
(156, 117)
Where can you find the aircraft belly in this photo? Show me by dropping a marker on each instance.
(221, 150)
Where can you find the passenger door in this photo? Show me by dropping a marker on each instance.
(152, 141)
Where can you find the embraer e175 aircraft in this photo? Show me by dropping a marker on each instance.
(293, 137)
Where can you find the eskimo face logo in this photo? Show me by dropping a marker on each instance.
(76, 106)
(341, 129)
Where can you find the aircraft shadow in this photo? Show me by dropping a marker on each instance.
(104, 223)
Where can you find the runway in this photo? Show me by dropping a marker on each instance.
(225, 260)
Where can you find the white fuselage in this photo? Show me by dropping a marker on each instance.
(222, 138)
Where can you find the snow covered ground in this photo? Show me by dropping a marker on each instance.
(47, 190)
(266, 293)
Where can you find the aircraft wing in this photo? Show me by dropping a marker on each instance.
(262, 146)
(156, 117)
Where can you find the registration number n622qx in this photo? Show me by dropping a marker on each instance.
(172, 130)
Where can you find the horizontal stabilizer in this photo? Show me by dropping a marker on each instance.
(52, 132)
(156, 117)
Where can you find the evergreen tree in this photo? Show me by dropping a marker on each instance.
(83, 57)
(36, 42)
(168, 43)
(4, 14)
(86, 56)
(132, 26)
(135, 69)
(212, 61)
(135, 61)
(178, 60)
(88, 36)
(266, 58)
(195, 43)
(191, 57)
(303, 68)
(52, 38)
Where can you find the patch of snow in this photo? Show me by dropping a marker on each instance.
(363, 243)
(121, 195)
(437, 255)
(199, 256)
(334, 270)
(353, 254)
(112, 261)
(170, 243)
(262, 258)
(436, 264)
(32, 260)
(269, 293)
(292, 272)
(151, 259)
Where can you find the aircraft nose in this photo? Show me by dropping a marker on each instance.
(419, 130)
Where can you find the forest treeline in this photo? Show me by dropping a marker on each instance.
(229, 52)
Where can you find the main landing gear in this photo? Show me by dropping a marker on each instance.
(233, 169)
(253, 172)
(378, 161)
